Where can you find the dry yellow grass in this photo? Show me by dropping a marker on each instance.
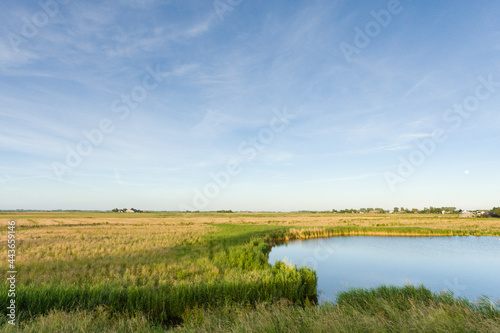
(66, 248)
(98, 247)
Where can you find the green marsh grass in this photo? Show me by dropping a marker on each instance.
(384, 309)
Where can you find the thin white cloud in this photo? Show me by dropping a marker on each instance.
(413, 136)
(416, 86)
(200, 27)
(341, 179)
(10, 58)
(141, 4)
(181, 70)
(377, 149)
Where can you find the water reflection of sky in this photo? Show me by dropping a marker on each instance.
(468, 266)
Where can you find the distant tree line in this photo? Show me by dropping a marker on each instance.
(361, 211)
(124, 210)
(495, 212)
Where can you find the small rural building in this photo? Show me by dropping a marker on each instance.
(129, 211)
(466, 214)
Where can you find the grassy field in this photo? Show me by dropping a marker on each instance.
(153, 271)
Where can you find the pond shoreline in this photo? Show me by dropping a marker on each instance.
(463, 264)
(339, 231)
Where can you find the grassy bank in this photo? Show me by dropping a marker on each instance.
(160, 267)
(385, 309)
(167, 303)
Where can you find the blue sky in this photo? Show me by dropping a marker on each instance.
(249, 105)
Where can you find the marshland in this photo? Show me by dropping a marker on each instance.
(196, 272)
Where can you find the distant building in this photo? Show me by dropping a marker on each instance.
(130, 211)
(466, 214)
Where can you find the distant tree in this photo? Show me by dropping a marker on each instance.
(436, 210)
(396, 209)
(496, 211)
(115, 210)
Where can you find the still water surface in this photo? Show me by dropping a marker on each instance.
(468, 266)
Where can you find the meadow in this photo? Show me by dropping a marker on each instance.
(206, 272)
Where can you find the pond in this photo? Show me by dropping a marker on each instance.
(469, 266)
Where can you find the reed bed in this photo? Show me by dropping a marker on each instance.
(166, 303)
(385, 309)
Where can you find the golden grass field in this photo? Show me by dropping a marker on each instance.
(88, 246)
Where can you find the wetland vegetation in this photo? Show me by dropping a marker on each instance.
(209, 272)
